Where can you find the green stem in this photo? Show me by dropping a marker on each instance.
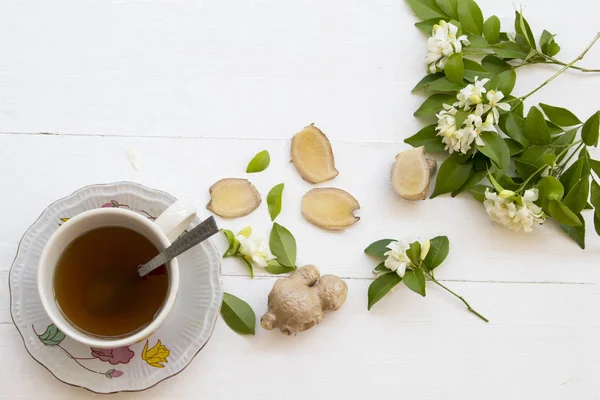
(432, 279)
(558, 62)
(540, 169)
(566, 67)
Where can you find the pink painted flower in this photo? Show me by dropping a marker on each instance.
(113, 373)
(121, 355)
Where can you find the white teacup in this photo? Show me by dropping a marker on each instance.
(161, 233)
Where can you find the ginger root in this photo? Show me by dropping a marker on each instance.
(312, 155)
(297, 304)
(233, 197)
(411, 174)
(330, 208)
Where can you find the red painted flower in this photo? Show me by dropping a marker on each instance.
(121, 355)
(113, 373)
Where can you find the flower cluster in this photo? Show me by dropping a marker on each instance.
(477, 101)
(442, 44)
(513, 211)
(397, 260)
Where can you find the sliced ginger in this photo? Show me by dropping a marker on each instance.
(232, 198)
(411, 174)
(330, 208)
(312, 155)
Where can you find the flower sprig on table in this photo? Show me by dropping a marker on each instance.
(526, 157)
(409, 261)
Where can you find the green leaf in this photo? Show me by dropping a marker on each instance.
(274, 201)
(514, 147)
(434, 104)
(414, 253)
(452, 175)
(448, 7)
(554, 129)
(514, 126)
(576, 199)
(470, 16)
(474, 178)
(595, 197)
(491, 29)
(524, 169)
(427, 137)
(591, 130)
(534, 155)
(577, 233)
(495, 65)
(536, 130)
(427, 80)
(595, 165)
(248, 264)
(550, 188)
(454, 68)
(548, 45)
(509, 50)
(234, 245)
(560, 116)
(572, 175)
(478, 192)
(273, 267)
(505, 81)
(510, 183)
(426, 9)
(381, 268)
(473, 69)
(52, 336)
(443, 85)
(283, 245)
(478, 45)
(440, 246)
(381, 286)
(496, 149)
(259, 163)
(427, 25)
(238, 315)
(562, 214)
(378, 248)
(415, 281)
(523, 29)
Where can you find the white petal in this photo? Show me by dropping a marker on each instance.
(401, 269)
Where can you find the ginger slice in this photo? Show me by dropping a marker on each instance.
(411, 174)
(233, 197)
(312, 155)
(330, 208)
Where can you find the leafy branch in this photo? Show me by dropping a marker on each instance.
(410, 263)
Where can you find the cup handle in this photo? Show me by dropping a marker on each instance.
(175, 219)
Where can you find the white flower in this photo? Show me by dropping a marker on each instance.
(425, 246)
(442, 44)
(472, 94)
(254, 250)
(461, 140)
(494, 104)
(397, 260)
(512, 36)
(514, 213)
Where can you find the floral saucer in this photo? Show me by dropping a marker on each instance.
(167, 352)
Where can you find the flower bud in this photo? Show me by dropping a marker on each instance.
(505, 194)
(425, 249)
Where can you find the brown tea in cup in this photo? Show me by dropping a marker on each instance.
(97, 286)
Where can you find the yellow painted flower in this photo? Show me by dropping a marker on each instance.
(156, 355)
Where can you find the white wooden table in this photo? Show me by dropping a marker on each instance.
(196, 88)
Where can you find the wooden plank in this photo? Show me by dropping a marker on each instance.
(542, 339)
(39, 169)
(187, 68)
